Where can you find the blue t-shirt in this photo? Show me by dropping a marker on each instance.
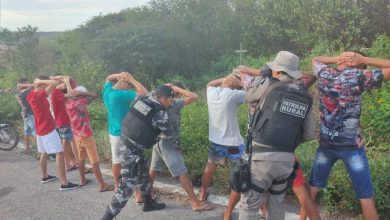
(117, 103)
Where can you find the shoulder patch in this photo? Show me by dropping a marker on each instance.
(142, 107)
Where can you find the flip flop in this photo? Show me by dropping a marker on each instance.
(89, 170)
(74, 167)
(205, 198)
(108, 188)
(206, 207)
(86, 182)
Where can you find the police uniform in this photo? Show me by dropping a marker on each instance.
(141, 127)
(273, 147)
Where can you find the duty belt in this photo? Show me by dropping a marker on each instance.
(129, 144)
(287, 180)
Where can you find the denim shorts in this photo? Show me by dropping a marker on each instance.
(219, 153)
(355, 162)
(65, 133)
(29, 127)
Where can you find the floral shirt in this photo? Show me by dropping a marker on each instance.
(340, 103)
(79, 116)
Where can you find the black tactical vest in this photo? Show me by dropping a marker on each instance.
(279, 121)
(137, 124)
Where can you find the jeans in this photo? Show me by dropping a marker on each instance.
(355, 162)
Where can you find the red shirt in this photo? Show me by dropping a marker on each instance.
(79, 116)
(44, 122)
(58, 102)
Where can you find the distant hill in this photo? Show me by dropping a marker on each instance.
(51, 34)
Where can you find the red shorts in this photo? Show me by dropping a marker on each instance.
(299, 179)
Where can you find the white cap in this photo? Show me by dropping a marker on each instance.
(80, 89)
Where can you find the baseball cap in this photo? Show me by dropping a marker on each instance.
(165, 91)
(80, 89)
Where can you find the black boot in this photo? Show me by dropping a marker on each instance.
(151, 204)
(108, 216)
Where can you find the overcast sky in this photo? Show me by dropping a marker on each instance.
(58, 15)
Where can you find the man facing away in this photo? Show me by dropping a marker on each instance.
(251, 76)
(117, 98)
(168, 150)
(283, 118)
(144, 122)
(76, 106)
(61, 118)
(340, 91)
(48, 140)
(23, 87)
(224, 131)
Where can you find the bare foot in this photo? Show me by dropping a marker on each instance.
(226, 215)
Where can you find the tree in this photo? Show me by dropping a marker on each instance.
(24, 56)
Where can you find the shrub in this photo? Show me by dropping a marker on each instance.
(10, 109)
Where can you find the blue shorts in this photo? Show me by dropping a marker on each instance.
(29, 127)
(356, 163)
(65, 133)
(219, 153)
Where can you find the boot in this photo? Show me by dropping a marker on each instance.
(151, 204)
(108, 216)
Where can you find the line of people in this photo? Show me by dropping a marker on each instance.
(55, 116)
(280, 117)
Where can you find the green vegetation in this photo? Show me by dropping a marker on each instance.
(194, 42)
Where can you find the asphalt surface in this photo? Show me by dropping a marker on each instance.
(22, 196)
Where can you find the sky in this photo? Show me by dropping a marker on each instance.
(58, 15)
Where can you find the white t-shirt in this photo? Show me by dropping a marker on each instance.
(223, 123)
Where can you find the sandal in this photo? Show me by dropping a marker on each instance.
(89, 170)
(86, 182)
(205, 198)
(108, 188)
(72, 168)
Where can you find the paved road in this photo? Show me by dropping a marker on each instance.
(23, 197)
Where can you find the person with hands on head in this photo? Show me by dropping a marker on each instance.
(23, 88)
(340, 92)
(61, 118)
(168, 150)
(48, 140)
(145, 121)
(117, 97)
(77, 103)
(224, 96)
(251, 75)
(280, 117)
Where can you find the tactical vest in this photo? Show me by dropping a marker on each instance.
(137, 124)
(279, 118)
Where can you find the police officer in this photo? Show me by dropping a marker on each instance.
(146, 119)
(282, 119)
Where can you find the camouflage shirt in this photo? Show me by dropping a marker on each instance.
(174, 121)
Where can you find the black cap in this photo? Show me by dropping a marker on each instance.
(164, 91)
